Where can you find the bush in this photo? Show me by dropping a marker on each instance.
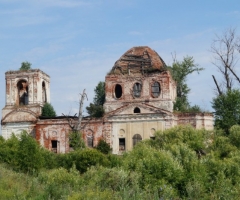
(103, 147)
(222, 147)
(115, 160)
(234, 135)
(86, 158)
(59, 183)
(195, 139)
(50, 159)
(8, 150)
(25, 66)
(155, 166)
(29, 156)
(114, 179)
(76, 141)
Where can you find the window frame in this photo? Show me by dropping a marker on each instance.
(136, 138)
(155, 94)
(115, 93)
(137, 90)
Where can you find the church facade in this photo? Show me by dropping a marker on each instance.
(140, 94)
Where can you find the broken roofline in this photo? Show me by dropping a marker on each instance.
(22, 71)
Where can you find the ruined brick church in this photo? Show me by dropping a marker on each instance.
(140, 94)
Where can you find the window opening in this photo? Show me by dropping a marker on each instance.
(90, 141)
(136, 138)
(137, 88)
(54, 146)
(90, 138)
(156, 89)
(22, 92)
(118, 91)
(122, 144)
(44, 93)
(153, 131)
(152, 138)
(136, 110)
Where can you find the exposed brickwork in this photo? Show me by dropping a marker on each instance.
(58, 129)
(140, 94)
(23, 100)
(197, 120)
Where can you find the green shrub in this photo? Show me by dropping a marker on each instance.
(234, 135)
(114, 179)
(83, 159)
(29, 156)
(8, 150)
(103, 147)
(25, 66)
(155, 166)
(16, 185)
(93, 194)
(59, 183)
(195, 139)
(222, 147)
(115, 160)
(50, 159)
(2, 140)
(76, 141)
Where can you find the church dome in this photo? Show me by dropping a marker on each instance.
(140, 59)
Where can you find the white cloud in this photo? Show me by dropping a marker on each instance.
(42, 51)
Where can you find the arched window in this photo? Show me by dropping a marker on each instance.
(137, 88)
(118, 91)
(89, 138)
(136, 138)
(136, 110)
(22, 87)
(152, 135)
(156, 89)
(44, 93)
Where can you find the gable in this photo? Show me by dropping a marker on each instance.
(19, 115)
(134, 107)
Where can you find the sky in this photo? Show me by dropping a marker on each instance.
(77, 42)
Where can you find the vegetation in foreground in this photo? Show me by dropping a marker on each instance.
(181, 163)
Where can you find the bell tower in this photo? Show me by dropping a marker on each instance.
(26, 93)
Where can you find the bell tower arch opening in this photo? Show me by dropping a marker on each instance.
(22, 88)
(44, 92)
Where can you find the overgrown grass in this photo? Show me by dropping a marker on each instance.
(181, 163)
(17, 185)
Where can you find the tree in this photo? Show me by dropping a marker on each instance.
(180, 71)
(29, 154)
(225, 49)
(48, 110)
(103, 147)
(25, 66)
(76, 141)
(227, 109)
(96, 109)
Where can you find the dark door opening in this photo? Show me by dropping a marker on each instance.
(54, 146)
(121, 144)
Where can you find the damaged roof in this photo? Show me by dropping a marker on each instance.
(138, 59)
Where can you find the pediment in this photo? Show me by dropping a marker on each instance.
(20, 115)
(144, 109)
